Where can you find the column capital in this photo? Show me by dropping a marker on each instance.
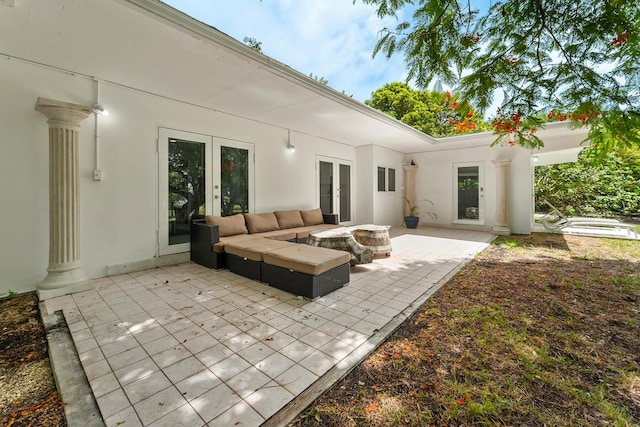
(62, 114)
(410, 167)
(501, 163)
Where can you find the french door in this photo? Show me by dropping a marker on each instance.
(335, 188)
(199, 175)
(468, 197)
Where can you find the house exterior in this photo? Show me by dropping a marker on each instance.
(167, 81)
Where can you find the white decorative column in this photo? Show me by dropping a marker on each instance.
(502, 173)
(409, 185)
(65, 273)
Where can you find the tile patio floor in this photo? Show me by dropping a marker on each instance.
(186, 345)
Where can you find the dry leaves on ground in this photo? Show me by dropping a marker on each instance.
(28, 395)
(536, 331)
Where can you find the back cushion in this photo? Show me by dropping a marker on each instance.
(260, 223)
(312, 217)
(228, 225)
(289, 219)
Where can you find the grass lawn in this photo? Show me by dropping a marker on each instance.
(540, 330)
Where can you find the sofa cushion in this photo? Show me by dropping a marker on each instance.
(280, 234)
(289, 219)
(259, 223)
(312, 217)
(312, 260)
(228, 225)
(219, 247)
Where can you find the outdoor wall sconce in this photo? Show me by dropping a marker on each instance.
(534, 158)
(99, 109)
(290, 146)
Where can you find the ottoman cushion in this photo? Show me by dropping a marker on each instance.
(253, 249)
(306, 259)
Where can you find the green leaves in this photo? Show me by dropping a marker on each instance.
(535, 56)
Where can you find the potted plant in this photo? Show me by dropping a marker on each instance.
(411, 220)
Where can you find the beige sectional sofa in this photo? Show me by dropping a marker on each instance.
(266, 247)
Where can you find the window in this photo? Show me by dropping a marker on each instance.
(391, 179)
(386, 179)
(382, 185)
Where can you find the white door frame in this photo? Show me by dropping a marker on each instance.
(336, 162)
(212, 180)
(481, 192)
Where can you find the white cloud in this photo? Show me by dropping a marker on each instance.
(333, 39)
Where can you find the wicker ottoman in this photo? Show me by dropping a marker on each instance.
(244, 257)
(305, 270)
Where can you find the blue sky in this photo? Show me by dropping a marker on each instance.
(333, 39)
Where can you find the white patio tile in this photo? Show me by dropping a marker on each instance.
(269, 399)
(146, 387)
(183, 369)
(91, 356)
(274, 365)
(160, 345)
(240, 415)
(315, 339)
(214, 402)
(104, 384)
(183, 416)
(278, 340)
(331, 328)
(262, 332)
(135, 371)
(225, 332)
(122, 344)
(170, 356)
(346, 320)
(297, 330)
(127, 358)
(200, 343)
(112, 403)
(240, 342)
(296, 379)
(198, 384)
(229, 367)
(337, 349)
(213, 355)
(281, 321)
(96, 370)
(256, 352)
(159, 405)
(297, 350)
(127, 417)
(247, 381)
(318, 362)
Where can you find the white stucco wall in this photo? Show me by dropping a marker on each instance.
(119, 215)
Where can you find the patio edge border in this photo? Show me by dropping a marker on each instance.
(290, 411)
(81, 408)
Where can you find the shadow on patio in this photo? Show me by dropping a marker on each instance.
(192, 346)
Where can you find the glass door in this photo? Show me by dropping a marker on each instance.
(199, 175)
(185, 186)
(468, 193)
(233, 186)
(335, 188)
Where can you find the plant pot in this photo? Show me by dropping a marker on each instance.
(411, 221)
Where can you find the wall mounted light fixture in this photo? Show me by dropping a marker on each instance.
(290, 146)
(534, 158)
(99, 109)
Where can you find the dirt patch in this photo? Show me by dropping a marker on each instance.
(536, 331)
(28, 395)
